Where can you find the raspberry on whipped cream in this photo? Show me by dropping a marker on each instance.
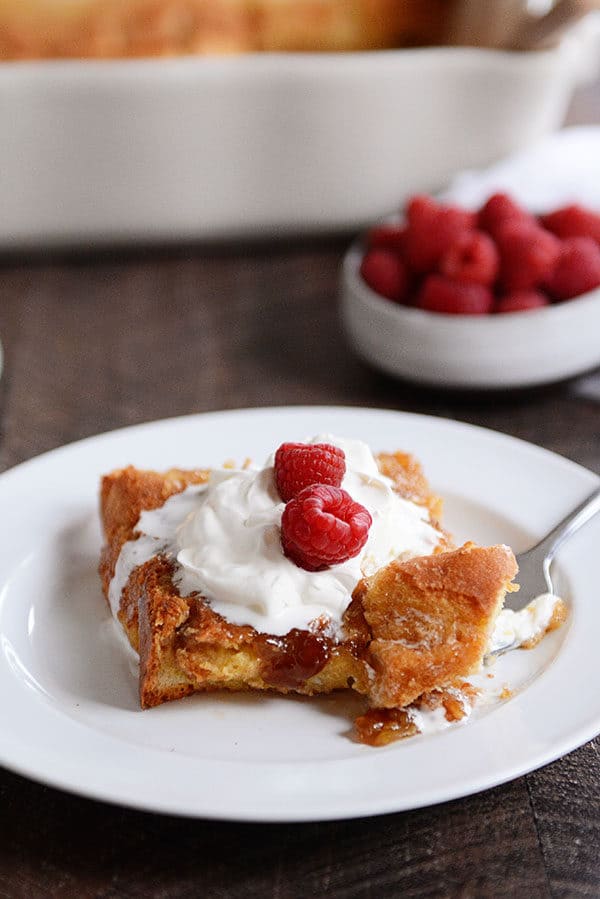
(323, 526)
(298, 465)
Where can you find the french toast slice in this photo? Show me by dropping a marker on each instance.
(412, 628)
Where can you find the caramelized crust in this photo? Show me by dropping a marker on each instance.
(409, 481)
(124, 495)
(161, 612)
(35, 29)
(430, 619)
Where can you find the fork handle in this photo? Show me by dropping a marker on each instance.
(570, 525)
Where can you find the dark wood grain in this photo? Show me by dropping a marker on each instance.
(485, 845)
(98, 342)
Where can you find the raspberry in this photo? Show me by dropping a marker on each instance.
(528, 255)
(500, 209)
(521, 300)
(473, 257)
(439, 294)
(323, 526)
(389, 237)
(573, 221)
(577, 270)
(385, 273)
(431, 230)
(297, 465)
(420, 207)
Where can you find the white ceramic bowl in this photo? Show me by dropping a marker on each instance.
(101, 152)
(518, 349)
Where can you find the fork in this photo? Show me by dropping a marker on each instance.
(535, 563)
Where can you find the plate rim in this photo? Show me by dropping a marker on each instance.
(459, 424)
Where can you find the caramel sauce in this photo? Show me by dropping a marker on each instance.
(290, 660)
(378, 727)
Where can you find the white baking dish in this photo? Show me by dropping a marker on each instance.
(103, 152)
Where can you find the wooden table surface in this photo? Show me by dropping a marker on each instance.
(98, 342)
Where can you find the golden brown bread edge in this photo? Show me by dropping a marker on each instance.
(30, 29)
(412, 627)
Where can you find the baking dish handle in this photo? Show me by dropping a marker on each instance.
(587, 35)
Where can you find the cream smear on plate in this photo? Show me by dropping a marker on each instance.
(433, 721)
(225, 537)
(511, 631)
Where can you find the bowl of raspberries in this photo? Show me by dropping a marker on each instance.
(486, 298)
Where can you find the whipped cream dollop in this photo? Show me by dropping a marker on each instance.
(230, 547)
(225, 537)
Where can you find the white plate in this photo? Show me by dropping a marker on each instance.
(70, 715)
